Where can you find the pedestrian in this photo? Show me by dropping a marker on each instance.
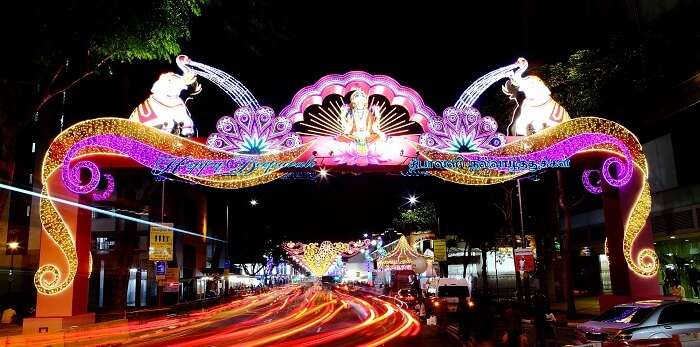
(541, 309)
(421, 311)
(678, 290)
(9, 315)
(694, 279)
(513, 326)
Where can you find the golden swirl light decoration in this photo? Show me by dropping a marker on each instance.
(559, 143)
(160, 151)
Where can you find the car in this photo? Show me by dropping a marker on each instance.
(327, 282)
(642, 320)
(407, 295)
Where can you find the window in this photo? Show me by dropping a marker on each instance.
(625, 314)
(461, 291)
(104, 243)
(680, 313)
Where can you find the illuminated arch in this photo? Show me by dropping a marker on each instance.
(200, 164)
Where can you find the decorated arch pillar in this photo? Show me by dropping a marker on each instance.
(62, 304)
(620, 209)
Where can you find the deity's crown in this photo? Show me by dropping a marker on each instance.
(357, 94)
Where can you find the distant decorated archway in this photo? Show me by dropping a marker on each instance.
(352, 123)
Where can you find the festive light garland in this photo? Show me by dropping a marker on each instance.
(318, 258)
(400, 258)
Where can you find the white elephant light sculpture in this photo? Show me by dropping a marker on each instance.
(164, 109)
(538, 110)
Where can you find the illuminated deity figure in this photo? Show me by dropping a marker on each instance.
(538, 110)
(360, 123)
(164, 109)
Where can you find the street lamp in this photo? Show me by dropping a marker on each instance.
(412, 200)
(253, 202)
(13, 246)
(323, 173)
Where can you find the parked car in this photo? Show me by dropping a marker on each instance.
(643, 320)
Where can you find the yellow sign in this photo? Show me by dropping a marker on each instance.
(440, 249)
(160, 246)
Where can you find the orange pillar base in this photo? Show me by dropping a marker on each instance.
(53, 324)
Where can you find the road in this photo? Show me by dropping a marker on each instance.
(295, 315)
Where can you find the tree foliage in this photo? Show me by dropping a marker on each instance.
(422, 217)
(57, 44)
(619, 79)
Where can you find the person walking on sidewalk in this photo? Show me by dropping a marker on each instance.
(513, 337)
(542, 328)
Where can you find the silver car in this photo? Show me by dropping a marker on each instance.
(642, 320)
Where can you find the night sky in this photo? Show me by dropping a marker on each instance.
(437, 48)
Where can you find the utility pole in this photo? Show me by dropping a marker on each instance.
(226, 259)
(524, 274)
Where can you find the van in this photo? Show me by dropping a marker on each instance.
(452, 296)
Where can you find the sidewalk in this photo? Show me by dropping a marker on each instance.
(586, 307)
(10, 329)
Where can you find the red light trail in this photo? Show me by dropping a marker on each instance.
(292, 315)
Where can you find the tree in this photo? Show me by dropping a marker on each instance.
(59, 44)
(52, 46)
(422, 217)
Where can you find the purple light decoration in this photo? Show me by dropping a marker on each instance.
(370, 84)
(593, 188)
(566, 149)
(107, 192)
(253, 131)
(608, 176)
(72, 181)
(597, 188)
(159, 162)
(462, 130)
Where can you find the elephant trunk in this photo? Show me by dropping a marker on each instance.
(518, 74)
(188, 75)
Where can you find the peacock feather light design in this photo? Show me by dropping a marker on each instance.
(463, 131)
(253, 131)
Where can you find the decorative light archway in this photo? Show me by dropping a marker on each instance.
(262, 148)
(318, 258)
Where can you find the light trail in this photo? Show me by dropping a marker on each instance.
(105, 212)
(293, 315)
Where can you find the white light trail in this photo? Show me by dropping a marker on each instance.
(105, 212)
